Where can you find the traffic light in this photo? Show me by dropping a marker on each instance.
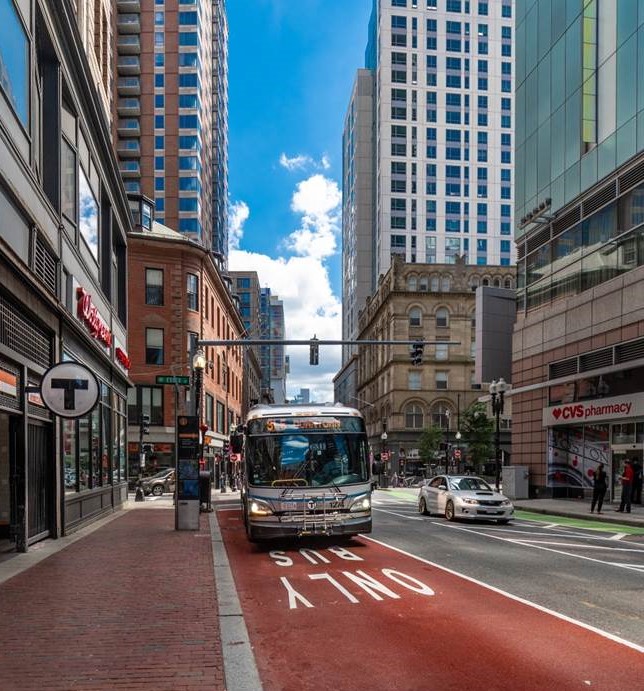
(416, 353)
(226, 448)
(314, 355)
(145, 424)
(148, 448)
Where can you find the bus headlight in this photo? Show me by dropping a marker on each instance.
(257, 507)
(362, 503)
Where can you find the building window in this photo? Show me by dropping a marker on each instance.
(414, 416)
(442, 317)
(441, 381)
(153, 286)
(442, 351)
(154, 346)
(149, 401)
(88, 213)
(414, 381)
(415, 316)
(192, 292)
(14, 58)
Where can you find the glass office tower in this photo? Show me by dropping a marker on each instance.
(578, 362)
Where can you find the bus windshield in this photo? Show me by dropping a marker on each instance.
(306, 460)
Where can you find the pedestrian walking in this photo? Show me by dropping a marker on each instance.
(599, 488)
(394, 480)
(627, 487)
(637, 481)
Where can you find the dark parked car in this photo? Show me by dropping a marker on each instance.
(159, 483)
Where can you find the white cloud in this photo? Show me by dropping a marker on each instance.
(318, 200)
(238, 215)
(302, 283)
(303, 161)
(296, 163)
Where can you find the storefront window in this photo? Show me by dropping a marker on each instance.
(69, 455)
(122, 434)
(105, 445)
(84, 452)
(624, 433)
(96, 448)
(573, 455)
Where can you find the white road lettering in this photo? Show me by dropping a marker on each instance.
(370, 585)
(345, 554)
(308, 555)
(280, 558)
(408, 582)
(293, 595)
(339, 586)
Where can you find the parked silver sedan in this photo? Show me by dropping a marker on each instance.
(463, 496)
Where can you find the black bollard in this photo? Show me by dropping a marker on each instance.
(139, 496)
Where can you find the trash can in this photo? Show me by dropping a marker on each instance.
(205, 488)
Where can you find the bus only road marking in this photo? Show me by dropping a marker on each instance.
(369, 584)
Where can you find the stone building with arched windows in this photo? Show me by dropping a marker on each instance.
(433, 303)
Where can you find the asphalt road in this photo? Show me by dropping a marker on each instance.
(592, 576)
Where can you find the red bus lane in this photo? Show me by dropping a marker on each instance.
(323, 615)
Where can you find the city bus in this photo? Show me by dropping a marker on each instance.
(306, 471)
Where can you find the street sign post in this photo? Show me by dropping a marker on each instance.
(173, 379)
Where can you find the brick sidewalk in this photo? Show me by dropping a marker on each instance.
(130, 606)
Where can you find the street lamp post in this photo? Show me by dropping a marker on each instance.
(497, 392)
(458, 449)
(383, 451)
(199, 364)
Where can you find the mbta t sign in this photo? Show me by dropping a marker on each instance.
(457, 454)
(69, 389)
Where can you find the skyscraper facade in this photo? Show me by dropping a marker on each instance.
(273, 358)
(171, 113)
(578, 354)
(427, 147)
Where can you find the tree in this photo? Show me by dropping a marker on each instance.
(429, 443)
(478, 433)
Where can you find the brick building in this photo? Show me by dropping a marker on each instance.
(177, 297)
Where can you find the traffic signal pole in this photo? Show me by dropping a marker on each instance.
(316, 341)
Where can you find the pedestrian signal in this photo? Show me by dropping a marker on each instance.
(416, 353)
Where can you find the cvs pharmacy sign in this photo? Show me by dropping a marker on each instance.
(597, 410)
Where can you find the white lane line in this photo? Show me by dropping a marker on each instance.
(572, 545)
(628, 567)
(516, 598)
(535, 545)
(401, 515)
(618, 536)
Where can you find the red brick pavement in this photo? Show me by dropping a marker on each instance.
(130, 606)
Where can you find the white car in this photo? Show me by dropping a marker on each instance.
(463, 496)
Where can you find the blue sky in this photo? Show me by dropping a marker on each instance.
(292, 64)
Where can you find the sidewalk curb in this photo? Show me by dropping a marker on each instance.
(240, 669)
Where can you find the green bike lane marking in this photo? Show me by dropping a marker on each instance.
(586, 523)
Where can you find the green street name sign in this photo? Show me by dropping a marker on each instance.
(167, 379)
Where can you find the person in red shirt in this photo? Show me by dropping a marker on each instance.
(627, 487)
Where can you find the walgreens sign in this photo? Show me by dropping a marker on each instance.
(597, 410)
